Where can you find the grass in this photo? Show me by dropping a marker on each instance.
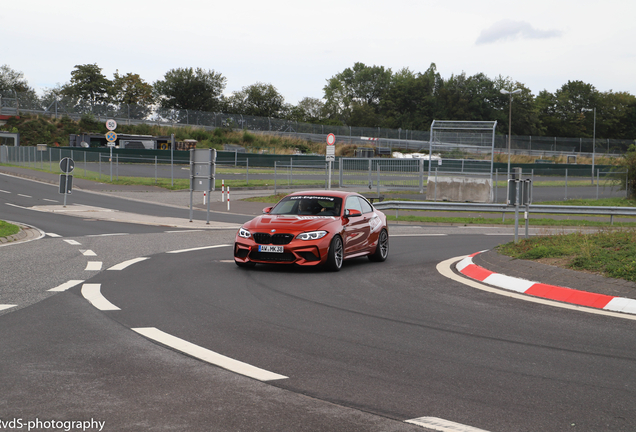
(609, 253)
(7, 229)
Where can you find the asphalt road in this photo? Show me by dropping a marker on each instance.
(364, 349)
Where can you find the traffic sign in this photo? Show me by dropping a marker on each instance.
(67, 165)
(111, 125)
(331, 139)
(111, 136)
(66, 185)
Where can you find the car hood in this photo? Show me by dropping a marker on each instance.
(289, 223)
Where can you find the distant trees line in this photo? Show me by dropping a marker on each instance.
(362, 96)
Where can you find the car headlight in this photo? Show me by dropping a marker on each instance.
(242, 232)
(313, 235)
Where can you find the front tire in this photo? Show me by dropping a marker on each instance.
(335, 257)
(382, 249)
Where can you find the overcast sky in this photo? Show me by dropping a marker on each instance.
(297, 46)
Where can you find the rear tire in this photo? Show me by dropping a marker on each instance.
(382, 249)
(335, 257)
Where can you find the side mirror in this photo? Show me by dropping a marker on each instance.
(352, 213)
(266, 210)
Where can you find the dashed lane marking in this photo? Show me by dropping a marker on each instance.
(25, 196)
(88, 252)
(207, 355)
(442, 425)
(197, 249)
(5, 306)
(53, 235)
(92, 293)
(93, 266)
(66, 285)
(125, 264)
(73, 242)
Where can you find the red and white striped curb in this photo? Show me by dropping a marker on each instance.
(552, 292)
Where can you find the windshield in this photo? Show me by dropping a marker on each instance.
(308, 205)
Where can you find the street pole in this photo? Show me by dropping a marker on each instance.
(511, 92)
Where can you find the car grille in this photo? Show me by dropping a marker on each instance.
(276, 239)
(266, 256)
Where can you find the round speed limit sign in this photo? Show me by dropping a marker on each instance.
(331, 139)
(111, 125)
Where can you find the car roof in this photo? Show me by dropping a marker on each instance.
(324, 192)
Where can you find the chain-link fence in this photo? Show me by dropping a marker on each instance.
(12, 103)
(376, 175)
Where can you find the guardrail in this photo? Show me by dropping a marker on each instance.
(504, 208)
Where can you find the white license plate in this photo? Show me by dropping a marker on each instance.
(275, 249)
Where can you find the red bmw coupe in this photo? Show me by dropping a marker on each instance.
(311, 228)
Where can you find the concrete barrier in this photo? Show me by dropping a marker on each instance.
(460, 189)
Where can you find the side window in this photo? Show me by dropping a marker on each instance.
(353, 203)
(366, 207)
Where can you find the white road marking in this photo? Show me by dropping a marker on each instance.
(93, 266)
(183, 231)
(4, 191)
(442, 425)
(66, 285)
(72, 242)
(207, 355)
(91, 292)
(3, 306)
(53, 235)
(227, 261)
(88, 252)
(107, 235)
(49, 200)
(125, 264)
(15, 205)
(196, 249)
(25, 196)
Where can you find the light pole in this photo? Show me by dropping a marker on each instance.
(511, 92)
(593, 139)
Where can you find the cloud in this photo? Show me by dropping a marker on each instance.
(510, 30)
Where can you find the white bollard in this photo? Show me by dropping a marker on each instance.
(222, 190)
(204, 196)
(228, 198)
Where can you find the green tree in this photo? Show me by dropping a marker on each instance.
(410, 102)
(13, 81)
(187, 88)
(312, 110)
(88, 85)
(525, 112)
(571, 99)
(131, 89)
(258, 99)
(360, 87)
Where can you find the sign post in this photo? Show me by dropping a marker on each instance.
(66, 180)
(202, 173)
(330, 155)
(111, 137)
